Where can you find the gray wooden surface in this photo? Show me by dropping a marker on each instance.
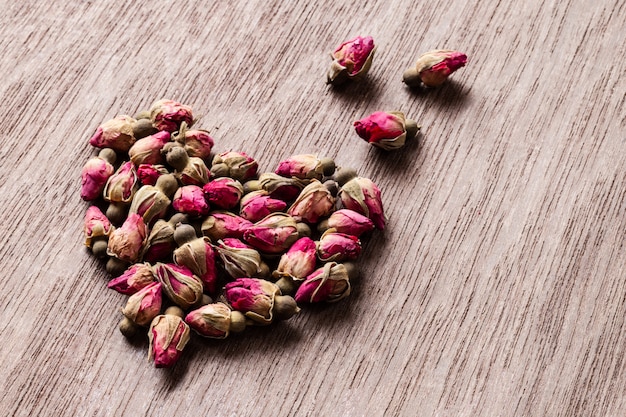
(498, 288)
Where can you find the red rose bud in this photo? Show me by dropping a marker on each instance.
(148, 174)
(258, 204)
(352, 59)
(387, 131)
(240, 260)
(180, 285)
(169, 114)
(306, 167)
(349, 222)
(314, 201)
(148, 149)
(286, 189)
(216, 321)
(160, 242)
(195, 173)
(144, 305)
(197, 143)
(433, 68)
(338, 247)
(116, 134)
(253, 297)
(97, 227)
(135, 278)
(274, 234)
(223, 224)
(223, 192)
(363, 196)
(329, 283)
(126, 242)
(152, 202)
(168, 336)
(199, 257)
(299, 261)
(121, 186)
(189, 199)
(96, 173)
(236, 165)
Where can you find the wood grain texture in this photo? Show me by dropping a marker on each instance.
(498, 288)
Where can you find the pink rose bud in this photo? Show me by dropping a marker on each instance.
(433, 68)
(387, 131)
(274, 234)
(148, 149)
(194, 173)
(236, 165)
(197, 143)
(314, 201)
(223, 224)
(126, 242)
(329, 283)
(94, 176)
(240, 260)
(97, 229)
(168, 336)
(338, 247)
(253, 297)
(306, 167)
(152, 202)
(349, 222)
(363, 196)
(144, 305)
(199, 257)
(180, 285)
(352, 59)
(121, 186)
(223, 192)
(116, 134)
(286, 189)
(299, 261)
(148, 174)
(189, 199)
(135, 278)
(258, 204)
(215, 320)
(169, 114)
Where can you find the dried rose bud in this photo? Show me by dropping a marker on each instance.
(329, 283)
(338, 247)
(433, 68)
(306, 167)
(286, 189)
(189, 199)
(363, 196)
(258, 204)
(116, 134)
(126, 242)
(121, 186)
(151, 202)
(237, 165)
(148, 174)
(179, 284)
(223, 224)
(160, 242)
(216, 321)
(169, 114)
(386, 130)
(135, 278)
(253, 297)
(148, 149)
(144, 305)
(347, 221)
(168, 336)
(197, 143)
(95, 175)
(97, 225)
(299, 261)
(314, 201)
(351, 60)
(194, 173)
(223, 192)
(199, 257)
(274, 234)
(240, 260)
(143, 127)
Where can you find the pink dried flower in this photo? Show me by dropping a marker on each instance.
(197, 143)
(274, 234)
(329, 283)
(282, 188)
(223, 192)
(237, 165)
(363, 196)
(194, 173)
(338, 247)
(199, 257)
(386, 130)
(169, 114)
(168, 337)
(314, 201)
(215, 320)
(116, 134)
(135, 278)
(96, 225)
(352, 59)
(253, 297)
(239, 259)
(144, 305)
(180, 285)
(299, 261)
(126, 242)
(148, 150)
(258, 204)
(189, 199)
(94, 177)
(350, 222)
(160, 242)
(306, 167)
(433, 68)
(222, 224)
(152, 202)
(148, 173)
(121, 186)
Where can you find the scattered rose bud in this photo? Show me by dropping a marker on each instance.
(197, 143)
(216, 321)
(223, 224)
(314, 201)
(363, 196)
(223, 192)
(352, 59)
(95, 175)
(148, 149)
(387, 131)
(240, 260)
(347, 221)
(286, 189)
(148, 174)
(306, 167)
(135, 278)
(329, 283)
(258, 204)
(151, 202)
(259, 300)
(298, 262)
(121, 186)
(160, 242)
(180, 285)
(168, 336)
(338, 247)
(274, 234)
(199, 257)
(195, 173)
(236, 165)
(169, 114)
(126, 242)
(116, 134)
(433, 68)
(189, 199)
(144, 305)
(97, 225)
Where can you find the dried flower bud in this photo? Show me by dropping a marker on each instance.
(121, 186)
(274, 234)
(169, 114)
(363, 196)
(215, 321)
(126, 242)
(194, 173)
(199, 257)
(94, 177)
(144, 305)
(223, 224)
(338, 247)
(160, 242)
(253, 297)
(298, 262)
(433, 68)
(237, 165)
(286, 189)
(97, 225)
(168, 336)
(189, 199)
(152, 202)
(306, 167)
(351, 60)
(148, 149)
(197, 143)
(135, 278)
(258, 204)
(143, 127)
(347, 221)
(314, 201)
(240, 260)
(148, 174)
(223, 192)
(179, 284)
(329, 283)
(387, 131)
(116, 134)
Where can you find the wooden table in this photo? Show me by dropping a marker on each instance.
(498, 287)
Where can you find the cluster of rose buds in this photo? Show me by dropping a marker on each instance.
(204, 242)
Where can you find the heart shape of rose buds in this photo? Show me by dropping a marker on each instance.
(216, 247)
